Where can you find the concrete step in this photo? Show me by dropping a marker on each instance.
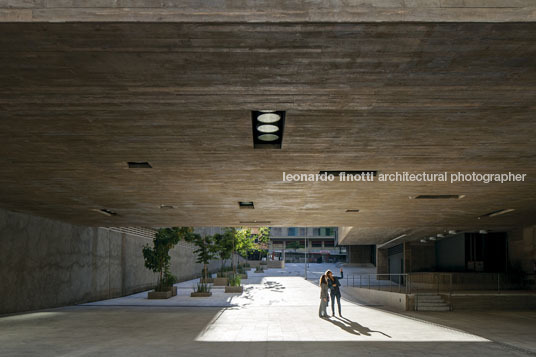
(420, 306)
(434, 308)
(430, 298)
(431, 302)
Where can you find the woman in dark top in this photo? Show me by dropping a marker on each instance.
(324, 298)
(334, 291)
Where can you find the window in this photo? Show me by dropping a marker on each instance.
(292, 231)
(317, 243)
(302, 232)
(329, 243)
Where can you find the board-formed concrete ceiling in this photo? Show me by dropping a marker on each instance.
(78, 101)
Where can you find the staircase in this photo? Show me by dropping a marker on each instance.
(430, 302)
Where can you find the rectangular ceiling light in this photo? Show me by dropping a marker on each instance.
(350, 172)
(246, 204)
(352, 210)
(268, 127)
(139, 165)
(439, 197)
(255, 222)
(498, 212)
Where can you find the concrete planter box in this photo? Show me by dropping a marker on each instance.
(173, 291)
(159, 294)
(201, 294)
(234, 289)
(259, 270)
(220, 281)
(242, 276)
(207, 281)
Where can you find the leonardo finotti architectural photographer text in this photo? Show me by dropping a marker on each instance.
(407, 177)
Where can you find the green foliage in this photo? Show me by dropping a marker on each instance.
(234, 280)
(202, 288)
(224, 245)
(157, 257)
(206, 250)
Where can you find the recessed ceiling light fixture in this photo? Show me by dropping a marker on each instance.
(497, 213)
(439, 197)
(423, 240)
(105, 211)
(139, 165)
(352, 210)
(267, 126)
(255, 222)
(246, 204)
(432, 238)
(167, 206)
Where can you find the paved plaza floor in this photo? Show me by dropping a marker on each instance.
(277, 315)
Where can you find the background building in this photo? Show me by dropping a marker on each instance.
(289, 244)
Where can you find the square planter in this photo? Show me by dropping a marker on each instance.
(207, 281)
(234, 289)
(220, 281)
(159, 294)
(201, 294)
(173, 291)
(243, 276)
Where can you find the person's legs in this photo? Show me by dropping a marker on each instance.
(321, 308)
(333, 305)
(339, 303)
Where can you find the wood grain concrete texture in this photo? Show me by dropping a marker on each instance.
(46, 263)
(78, 101)
(267, 11)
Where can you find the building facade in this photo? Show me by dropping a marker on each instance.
(314, 244)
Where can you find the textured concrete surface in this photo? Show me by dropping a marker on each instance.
(277, 317)
(46, 263)
(267, 11)
(79, 100)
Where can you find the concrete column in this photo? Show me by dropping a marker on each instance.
(382, 262)
(284, 247)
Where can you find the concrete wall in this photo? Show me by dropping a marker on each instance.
(46, 263)
(359, 254)
(391, 300)
(419, 257)
(522, 249)
(450, 253)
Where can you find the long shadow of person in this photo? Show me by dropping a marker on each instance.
(353, 327)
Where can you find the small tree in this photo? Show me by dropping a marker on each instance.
(206, 251)
(244, 241)
(157, 257)
(224, 245)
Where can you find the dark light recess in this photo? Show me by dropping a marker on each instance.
(255, 222)
(439, 197)
(350, 172)
(497, 212)
(167, 207)
(268, 127)
(246, 205)
(139, 165)
(352, 210)
(106, 212)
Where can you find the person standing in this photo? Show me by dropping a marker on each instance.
(334, 291)
(324, 297)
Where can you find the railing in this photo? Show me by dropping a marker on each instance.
(385, 282)
(444, 283)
